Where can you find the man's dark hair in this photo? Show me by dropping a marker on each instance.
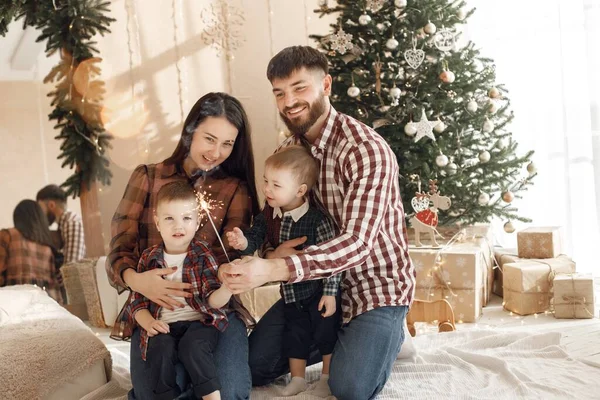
(178, 190)
(294, 58)
(52, 192)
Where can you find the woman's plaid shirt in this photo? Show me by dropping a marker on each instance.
(199, 268)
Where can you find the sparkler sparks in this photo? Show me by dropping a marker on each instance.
(205, 203)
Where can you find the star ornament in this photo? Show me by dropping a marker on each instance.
(425, 128)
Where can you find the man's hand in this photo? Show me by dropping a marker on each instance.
(242, 275)
(286, 248)
(329, 303)
(155, 288)
(156, 327)
(236, 239)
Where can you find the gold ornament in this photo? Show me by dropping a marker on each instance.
(509, 227)
(447, 76)
(508, 196)
(531, 168)
(494, 93)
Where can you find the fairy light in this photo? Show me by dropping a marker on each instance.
(206, 204)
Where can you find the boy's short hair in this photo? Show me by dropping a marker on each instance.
(293, 58)
(178, 190)
(297, 159)
(51, 192)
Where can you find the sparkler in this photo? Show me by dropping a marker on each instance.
(206, 205)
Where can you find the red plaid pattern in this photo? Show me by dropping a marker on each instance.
(199, 268)
(358, 185)
(25, 262)
(71, 232)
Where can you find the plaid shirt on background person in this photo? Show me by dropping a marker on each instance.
(71, 232)
(199, 268)
(25, 262)
(275, 227)
(358, 185)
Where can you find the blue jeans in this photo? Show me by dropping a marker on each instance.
(354, 374)
(231, 359)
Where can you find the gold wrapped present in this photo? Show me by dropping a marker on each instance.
(258, 300)
(527, 283)
(574, 296)
(540, 242)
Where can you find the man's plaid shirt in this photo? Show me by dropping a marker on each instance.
(71, 232)
(199, 269)
(275, 227)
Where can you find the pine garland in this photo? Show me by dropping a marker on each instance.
(366, 70)
(68, 27)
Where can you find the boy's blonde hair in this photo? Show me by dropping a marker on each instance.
(178, 190)
(299, 161)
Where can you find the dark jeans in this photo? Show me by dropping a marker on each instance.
(362, 358)
(305, 325)
(230, 356)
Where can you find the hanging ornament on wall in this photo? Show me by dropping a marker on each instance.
(441, 160)
(375, 5)
(341, 41)
(484, 156)
(483, 199)
(414, 57)
(444, 39)
(508, 196)
(364, 19)
(410, 129)
(400, 3)
(425, 128)
(430, 28)
(488, 126)
(223, 27)
(440, 127)
(472, 106)
(509, 227)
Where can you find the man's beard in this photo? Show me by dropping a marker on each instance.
(51, 218)
(315, 110)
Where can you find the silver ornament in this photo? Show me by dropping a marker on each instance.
(364, 19)
(472, 106)
(452, 169)
(501, 144)
(440, 127)
(430, 28)
(353, 91)
(483, 199)
(392, 44)
(484, 156)
(441, 160)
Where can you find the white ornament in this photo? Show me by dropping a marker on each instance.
(223, 27)
(353, 91)
(488, 126)
(452, 169)
(484, 156)
(380, 27)
(341, 41)
(501, 144)
(425, 128)
(364, 19)
(391, 44)
(395, 92)
(492, 107)
(430, 28)
(400, 3)
(444, 39)
(440, 127)
(494, 93)
(447, 76)
(441, 160)
(375, 5)
(531, 168)
(414, 57)
(472, 106)
(410, 129)
(483, 199)
(461, 14)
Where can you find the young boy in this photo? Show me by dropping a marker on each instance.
(312, 311)
(188, 334)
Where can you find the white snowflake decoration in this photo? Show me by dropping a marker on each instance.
(223, 27)
(461, 316)
(341, 41)
(425, 128)
(375, 5)
(461, 262)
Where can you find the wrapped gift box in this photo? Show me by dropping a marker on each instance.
(540, 242)
(258, 301)
(574, 296)
(503, 256)
(462, 277)
(527, 283)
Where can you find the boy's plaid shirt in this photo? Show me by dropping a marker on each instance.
(275, 227)
(199, 268)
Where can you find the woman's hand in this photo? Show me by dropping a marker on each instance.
(236, 239)
(158, 290)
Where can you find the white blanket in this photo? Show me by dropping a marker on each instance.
(480, 365)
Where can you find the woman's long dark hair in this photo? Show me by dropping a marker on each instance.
(240, 162)
(31, 222)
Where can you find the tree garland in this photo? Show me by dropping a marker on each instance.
(68, 27)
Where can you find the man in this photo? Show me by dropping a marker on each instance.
(53, 201)
(358, 184)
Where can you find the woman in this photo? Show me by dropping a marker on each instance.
(214, 154)
(26, 252)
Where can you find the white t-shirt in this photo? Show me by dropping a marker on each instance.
(186, 313)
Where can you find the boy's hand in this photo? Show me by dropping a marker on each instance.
(156, 327)
(329, 303)
(236, 239)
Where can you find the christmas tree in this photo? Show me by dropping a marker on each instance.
(398, 67)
